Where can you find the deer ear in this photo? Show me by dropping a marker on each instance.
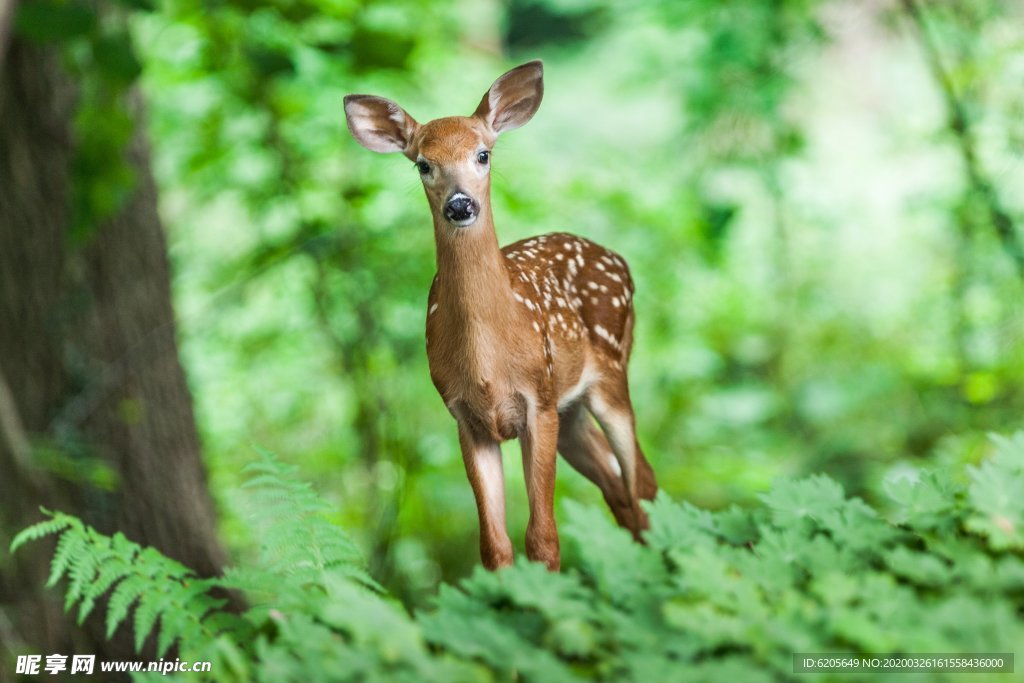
(514, 98)
(379, 124)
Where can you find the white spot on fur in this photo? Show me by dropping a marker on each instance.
(606, 335)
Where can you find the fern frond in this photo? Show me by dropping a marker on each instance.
(297, 541)
(83, 567)
(151, 603)
(115, 564)
(71, 544)
(57, 522)
(122, 599)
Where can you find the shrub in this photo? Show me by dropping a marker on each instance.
(726, 596)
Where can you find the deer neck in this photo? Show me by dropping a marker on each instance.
(474, 288)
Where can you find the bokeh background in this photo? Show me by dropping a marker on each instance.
(819, 202)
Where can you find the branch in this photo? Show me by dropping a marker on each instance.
(12, 429)
(958, 123)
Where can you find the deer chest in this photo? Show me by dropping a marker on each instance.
(478, 389)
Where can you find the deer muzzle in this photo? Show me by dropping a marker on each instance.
(461, 209)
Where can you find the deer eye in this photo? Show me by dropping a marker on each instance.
(423, 167)
(483, 157)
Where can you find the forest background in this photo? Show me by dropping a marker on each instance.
(817, 201)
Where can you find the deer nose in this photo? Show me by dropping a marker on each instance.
(461, 209)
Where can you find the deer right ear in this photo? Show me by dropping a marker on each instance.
(379, 124)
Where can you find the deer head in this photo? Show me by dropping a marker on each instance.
(452, 154)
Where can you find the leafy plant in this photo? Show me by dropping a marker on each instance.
(711, 596)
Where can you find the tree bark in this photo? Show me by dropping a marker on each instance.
(7, 8)
(89, 367)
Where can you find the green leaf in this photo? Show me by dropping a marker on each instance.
(39, 530)
(143, 5)
(678, 526)
(126, 593)
(921, 568)
(620, 568)
(268, 62)
(811, 499)
(924, 502)
(116, 58)
(736, 525)
(49, 21)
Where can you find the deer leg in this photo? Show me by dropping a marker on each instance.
(584, 447)
(539, 444)
(482, 457)
(609, 402)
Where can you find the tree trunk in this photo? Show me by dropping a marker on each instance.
(89, 369)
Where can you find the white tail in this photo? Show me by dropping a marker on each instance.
(527, 341)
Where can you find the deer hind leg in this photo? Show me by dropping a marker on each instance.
(609, 402)
(584, 447)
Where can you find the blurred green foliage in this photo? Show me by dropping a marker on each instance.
(719, 596)
(821, 285)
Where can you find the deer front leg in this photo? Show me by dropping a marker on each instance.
(540, 446)
(482, 457)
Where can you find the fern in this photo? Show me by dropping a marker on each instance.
(299, 548)
(290, 517)
(157, 587)
(303, 558)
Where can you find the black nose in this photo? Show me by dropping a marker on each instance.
(460, 207)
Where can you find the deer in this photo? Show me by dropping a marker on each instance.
(529, 341)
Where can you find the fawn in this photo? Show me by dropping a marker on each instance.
(525, 341)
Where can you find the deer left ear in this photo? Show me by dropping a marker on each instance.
(514, 98)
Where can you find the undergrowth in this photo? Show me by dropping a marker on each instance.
(725, 596)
